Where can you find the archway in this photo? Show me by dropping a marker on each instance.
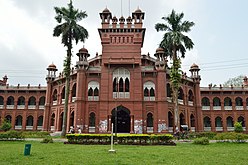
(60, 121)
(122, 120)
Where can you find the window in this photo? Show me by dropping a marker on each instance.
(149, 91)
(149, 120)
(93, 91)
(92, 119)
(121, 83)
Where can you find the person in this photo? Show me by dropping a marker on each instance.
(72, 131)
(79, 130)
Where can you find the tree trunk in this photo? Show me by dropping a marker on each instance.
(67, 89)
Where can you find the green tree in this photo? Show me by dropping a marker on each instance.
(175, 42)
(238, 127)
(69, 30)
(235, 81)
(6, 125)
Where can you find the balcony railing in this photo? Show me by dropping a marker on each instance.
(55, 102)
(216, 107)
(52, 128)
(10, 106)
(121, 95)
(63, 101)
(180, 101)
(169, 99)
(73, 99)
(39, 128)
(31, 106)
(239, 108)
(149, 129)
(147, 98)
(18, 127)
(41, 107)
(228, 108)
(190, 103)
(230, 128)
(1, 106)
(92, 129)
(219, 128)
(192, 129)
(20, 106)
(207, 129)
(29, 127)
(205, 108)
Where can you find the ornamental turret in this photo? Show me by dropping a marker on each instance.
(82, 62)
(138, 16)
(194, 69)
(161, 61)
(106, 16)
(51, 72)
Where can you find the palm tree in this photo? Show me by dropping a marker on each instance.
(174, 41)
(69, 30)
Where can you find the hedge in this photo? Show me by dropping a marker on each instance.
(129, 139)
(231, 137)
(11, 135)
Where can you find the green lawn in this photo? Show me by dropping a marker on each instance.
(187, 153)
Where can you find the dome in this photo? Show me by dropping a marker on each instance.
(159, 50)
(138, 11)
(114, 18)
(106, 10)
(194, 66)
(52, 66)
(122, 18)
(83, 50)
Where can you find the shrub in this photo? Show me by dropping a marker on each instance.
(231, 137)
(209, 135)
(6, 125)
(47, 140)
(238, 127)
(202, 141)
(11, 135)
(35, 134)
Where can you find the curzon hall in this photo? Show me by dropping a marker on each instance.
(123, 87)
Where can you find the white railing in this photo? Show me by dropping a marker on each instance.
(228, 107)
(205, 108)
(96, 98)
(55, 102)
(52, 128)
(62, 101)
(180, 101)
(239, 108)
(127, 95)
(73, 99)
(149, 129)
(31, 106)
(41, 107)
(170, 129)
(219, 128)
(39, 127)
(10, 106)
(190, 103)
(244, 128)
(1, 106)
(152, 98)
(146, 98)
(192, 129)
(207, 129)
(90, 98)
(121, 94)
(169, 99)
(18, 127)
(216, 107)
(92, 129)
(29, 127)
(230, 128)
(20, 106)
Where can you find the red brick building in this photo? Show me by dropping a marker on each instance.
(124, 87)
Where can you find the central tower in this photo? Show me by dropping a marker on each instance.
(122, 39)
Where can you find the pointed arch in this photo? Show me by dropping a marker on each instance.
(126, 85)
(121, 85)
(241, 120)
(192, 120)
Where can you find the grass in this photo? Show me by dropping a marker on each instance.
(183, 153)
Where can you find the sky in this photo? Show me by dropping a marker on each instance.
(27, 45)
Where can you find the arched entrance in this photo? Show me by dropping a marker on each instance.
(122, 120)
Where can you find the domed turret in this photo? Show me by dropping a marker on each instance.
(138, 16)
(106, 16)
(161, 61)
(51, 72)
(82, 62)
(194, 69)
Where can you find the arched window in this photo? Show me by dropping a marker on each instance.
(42, 101)
(10, 100)
(239, 101)
(126, 85)
(241, 120)
(52, 119)
(93, 91)
(218, 122)
(92, 119)
(229, 121)
(74, 90)
(121, 85)
(180, 94)
(169, 91)
(21, 101)
(8, 118)
(63, 93)
(192, 120)
(90, 92)
(182, 119)
(40, 121)
(227, 101)
(207, 121)
(18, 121)
(149, 120)
(32, 101)
(216, 102)
(152, 93)
(55, 95)
(190, 95)
(1, 100)
(121, 81)
(205, 101)
(149, 91)
(170, 119)
(29, 121)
